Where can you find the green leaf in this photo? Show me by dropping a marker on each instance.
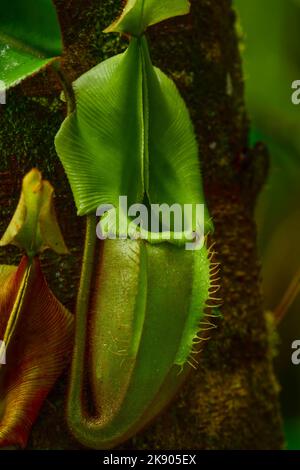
(101, 144)
(29, 38)
(139, 14)
(131, 135)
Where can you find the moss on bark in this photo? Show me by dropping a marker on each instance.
(231, 400)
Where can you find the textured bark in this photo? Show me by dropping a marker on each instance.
(231, 400)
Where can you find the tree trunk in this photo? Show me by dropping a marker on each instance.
(231, 400)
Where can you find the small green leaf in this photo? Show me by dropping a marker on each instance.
(29, 38)
(139, 14)
(34, 226)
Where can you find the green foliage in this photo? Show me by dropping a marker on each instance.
(139, 14)
(29, 38)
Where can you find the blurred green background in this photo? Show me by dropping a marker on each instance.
(269, 33)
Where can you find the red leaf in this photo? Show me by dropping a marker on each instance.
(39, 332)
